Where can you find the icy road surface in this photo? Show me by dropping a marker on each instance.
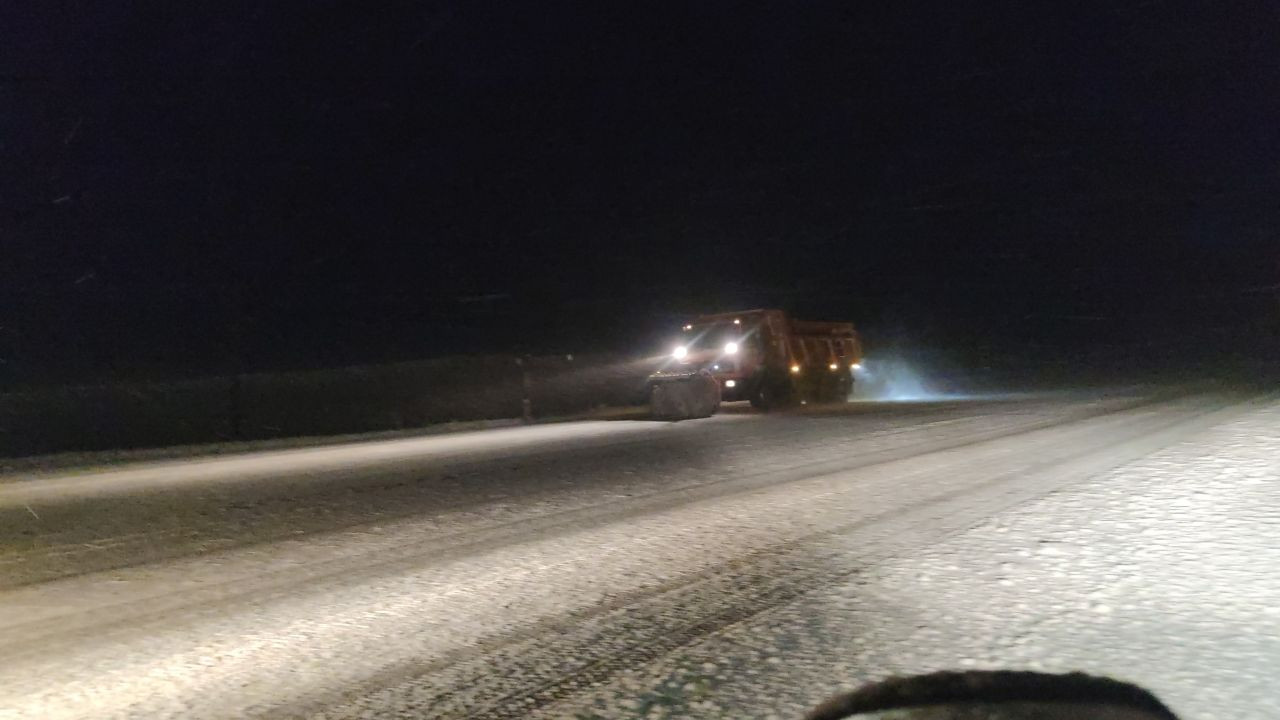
(741, 566)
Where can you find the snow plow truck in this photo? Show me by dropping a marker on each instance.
(762, 356)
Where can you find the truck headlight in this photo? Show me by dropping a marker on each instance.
(730, 383)
(731, 348)
(679, 352)
(856, 366)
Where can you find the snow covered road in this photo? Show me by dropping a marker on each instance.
(744, 565)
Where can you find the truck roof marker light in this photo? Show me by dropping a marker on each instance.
(795, 368)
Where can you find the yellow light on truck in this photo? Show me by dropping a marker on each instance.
(731, 383)
(736, 321)
(834, 366)
(795, 368)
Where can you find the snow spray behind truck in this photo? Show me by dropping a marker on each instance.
(759, 355)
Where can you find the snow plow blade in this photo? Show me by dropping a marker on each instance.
(683, 396)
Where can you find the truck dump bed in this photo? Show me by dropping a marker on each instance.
(826, 329)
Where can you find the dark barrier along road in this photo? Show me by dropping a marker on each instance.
(357, 399)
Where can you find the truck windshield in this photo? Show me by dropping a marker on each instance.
(715, 337)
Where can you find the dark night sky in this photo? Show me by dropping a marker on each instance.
(315, 183)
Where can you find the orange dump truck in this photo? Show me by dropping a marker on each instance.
(768, 358)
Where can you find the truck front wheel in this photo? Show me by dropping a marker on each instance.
(771, 394)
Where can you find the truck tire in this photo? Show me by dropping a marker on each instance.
(771, 393)
(836, 390)
(846, 390)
